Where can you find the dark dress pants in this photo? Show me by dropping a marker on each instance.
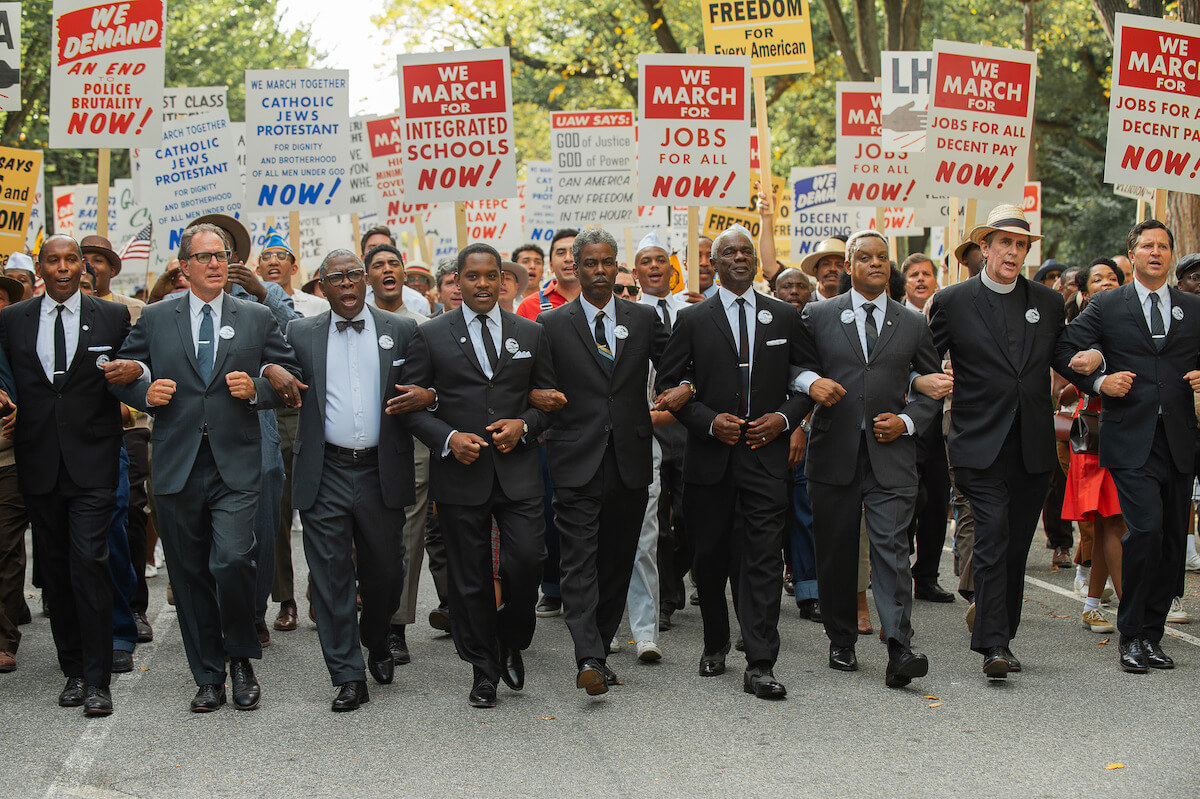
(801, 544)
(927, 532)
(675, 552)
(13, 521)
(120, 567)
(550, 568)
(137, 446)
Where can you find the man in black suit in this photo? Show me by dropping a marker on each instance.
(1000, 330)
(1149, 334)
(737, 349)
(353, 473)
(67, 444)
(599, 448)
(200, 349)
(862, 452)
(482, 432)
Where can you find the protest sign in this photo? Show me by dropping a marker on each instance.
(1154, 114)
(694, 129)
(106, 73)
(495, 222)
(814, 210)
(457, 133)
(297, 141)
(190, 174)
(362, 172)
(35, 231)
(539, 222)
(1143, 193)
(10, 56)
(980, 121)
(18, 190)
(77, 210)
(867, 174)
(594, 154)
(775, 34)
(384, 145)
(188, 101)
(904, 101)
(1031, 204)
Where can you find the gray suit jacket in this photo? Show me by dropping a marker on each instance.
(162, 339)
(309, 337)
(879, 385)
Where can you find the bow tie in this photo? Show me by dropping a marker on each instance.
(357, 324)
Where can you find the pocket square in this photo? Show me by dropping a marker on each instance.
(99, 349)
(399, 362)
(522, 354)
(775, 342)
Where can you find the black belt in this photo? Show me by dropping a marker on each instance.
(352, 454)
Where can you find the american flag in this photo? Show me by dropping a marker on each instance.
(138, 247)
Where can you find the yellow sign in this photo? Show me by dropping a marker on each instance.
(18, 183)
(776, 34)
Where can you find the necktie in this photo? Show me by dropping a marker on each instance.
(1158, 330)
(606, 354)
(60, 349)
(204, 352)
(871, 330)
(489, 346)
(666, 316)
(743, 359)
(357, 324)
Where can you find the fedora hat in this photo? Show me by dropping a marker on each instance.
(234, 229)
(1006, 217)
(101, 246)
(827, 247)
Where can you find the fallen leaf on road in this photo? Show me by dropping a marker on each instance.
(549, 718)
(1112, 766)
(931, 697)
(1105, 641)
(937, 704)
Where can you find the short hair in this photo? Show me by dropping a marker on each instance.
(382, 248)
(341, 252)
(913, 260)
(790, 271)
(624, 270)
(185, 240)
(475, 249)
(375, 231)
(712, 251)
(895, 290)
(562, 233)
(445, 266)
(529, 246)
(1142, 227)
(1085, 272)
(49, 239)
(852, 242)
(593, 235)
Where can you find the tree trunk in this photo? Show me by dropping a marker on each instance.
(910, 31)
(841, 35)
(893, 15)
(867, 29)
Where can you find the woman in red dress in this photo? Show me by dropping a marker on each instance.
(1091, 494)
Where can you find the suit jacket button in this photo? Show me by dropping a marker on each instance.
(868, 368)
(607, 428)
(610, 399)
(490, 411)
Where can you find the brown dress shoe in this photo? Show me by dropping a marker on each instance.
(286, 620)
(264, 635)
(7, 662)
(1061, 559)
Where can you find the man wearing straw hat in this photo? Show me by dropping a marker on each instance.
(825, 265)
(1000, 329)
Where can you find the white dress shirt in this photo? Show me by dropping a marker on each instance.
(674, 305)
(416, 301)
(196, 306)
(352, 401)
(474, 330)
(1164, 309)
(45, 334)
(609, 322)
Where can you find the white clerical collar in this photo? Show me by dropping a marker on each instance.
(999, 288)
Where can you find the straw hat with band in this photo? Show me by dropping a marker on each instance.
(234, 229)
(101, 246)
(960, 252)
(1008, 218)
(828, 247)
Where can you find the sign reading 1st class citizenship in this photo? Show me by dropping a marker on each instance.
(595, 168)
(297, 141)
(457, 131)
(106, 73)
(775, 34)
(694, 129)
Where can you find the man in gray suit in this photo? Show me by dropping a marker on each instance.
(200, 350)
(352, 474)
(862, 452)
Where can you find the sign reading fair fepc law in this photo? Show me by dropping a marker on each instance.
(694, 129)
(776, 34)
(1154, 115)
(594, 154)
(867, 174)
(457, 132)
(980, 119)
(106, 73)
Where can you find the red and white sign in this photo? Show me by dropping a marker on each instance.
(1031, 203)
(384, 145)
(980, 119)
(904, 102)
(594, 154)
(457, 132)
(1154, 114)
(106, 73)
(867, 174)
(694, 129)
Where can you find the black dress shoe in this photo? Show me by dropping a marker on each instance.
(72, 693)
(208, 698)
(762, 683)
(694, 599)
(967, 595)
(144, 631)
(932, 592)
(246, 691)
(263, 633)
(1155, 657)
(713, 664)
(1133, 657)
(512, 667)
(1014, 665)
(995, 663)
(350, 696)
(842, 658)
(483, 693)
(664, 620)
(740, 643)
(439, 619)
(904, 667)
(24, 616)
(591, 678)
(399, 645)
(122, 661)
(810, 609)
(610, 676)
(98, 701)
(382, 668)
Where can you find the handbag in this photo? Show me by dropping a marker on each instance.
(1085, 433)
(1063, 419)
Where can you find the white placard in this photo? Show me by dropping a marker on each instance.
(10, 56)
(362, 175)
(539, 222)
(904, 102)
(594, 154)
(867, 173)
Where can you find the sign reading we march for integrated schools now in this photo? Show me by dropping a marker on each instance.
(1154, 114)
(594, 154)
(775, 34)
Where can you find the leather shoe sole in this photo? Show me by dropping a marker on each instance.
(439, 619)
(592, 680)
(763, 687)
(996, 668)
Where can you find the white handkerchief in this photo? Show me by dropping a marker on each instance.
(775, 342)
(522, 354)
(99, 349)
(399, 362)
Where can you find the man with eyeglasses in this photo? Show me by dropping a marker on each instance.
(277, 264)
(199, 351)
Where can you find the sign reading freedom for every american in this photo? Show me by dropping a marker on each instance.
(776, 34)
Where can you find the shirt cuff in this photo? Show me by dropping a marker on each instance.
(786, 424)
(446, 446)
(145, 371)
(909, 427)
(804, 381)
(1097, 382)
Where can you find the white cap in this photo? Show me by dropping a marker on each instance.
(19, 260)
(736, 228)
(651, 239)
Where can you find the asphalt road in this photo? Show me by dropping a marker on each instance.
(1050, 731)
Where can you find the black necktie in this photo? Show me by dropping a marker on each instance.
(1158, 331)
(666, 315)
(489, 346)
(60, 348)
(204, 352)
(357, 324)
(871, 330)
(743, 359)
(606, 354)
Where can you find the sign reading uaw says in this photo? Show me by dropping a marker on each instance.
(867, 174)
(106, 73)
(1154, 115)
(693, 129)
(595, 168)
(980, 119)
(776, 34)
(457, 131)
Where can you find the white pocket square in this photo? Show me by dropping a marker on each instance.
(399, 362)
(99, 349)
(522, 354)
(775, 342)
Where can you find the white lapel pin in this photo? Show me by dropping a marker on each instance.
(765, 317)
(1177, 313)
(386, 342)
(511, 345)
(847, 317)
(1032, 316)
(85, 327)
(621, 332)
(226, 332)
(103, 359)
(462, 340)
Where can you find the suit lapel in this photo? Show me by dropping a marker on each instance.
(578, 321)
(33, 316)
(508, 329)
(228, 319)
(984, 307)
(384, 327)
(1031, 328)
(87, 320)
(320, 356)
(1135, 310)
(1176, 302)
(623, 318)
(717, 309)
(891, 314)
(850, 329)
(183, 322)
(458, 329)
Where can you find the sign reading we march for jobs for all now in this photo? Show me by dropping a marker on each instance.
(867, 174)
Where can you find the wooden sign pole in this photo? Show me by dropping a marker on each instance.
(423, 242)
(102, 170)
(953, 237)
(764, 153)
(629, 247)
(1160, 205)
(356, 231)
(1141, 210)
(294, 233)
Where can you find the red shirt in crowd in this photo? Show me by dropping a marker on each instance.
(531, 306)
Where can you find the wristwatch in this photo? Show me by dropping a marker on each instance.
(524, 428)
(806, 426)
